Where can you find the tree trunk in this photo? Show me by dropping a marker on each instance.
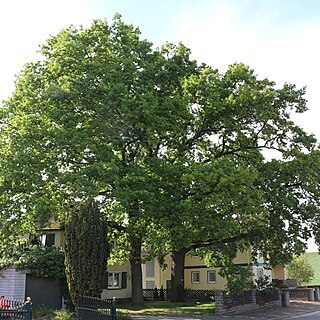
(136, 274)
(177, 275)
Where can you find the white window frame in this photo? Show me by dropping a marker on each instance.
(113, 275)
(208, 276)
(260, 273)
(193, 274)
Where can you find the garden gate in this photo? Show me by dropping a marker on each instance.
(96, 309)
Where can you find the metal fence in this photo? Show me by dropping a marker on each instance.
(189, 294)
(263, 297)
(95, 308)
(231, 300)
(199, 295)
(298, 293)
(15, 309)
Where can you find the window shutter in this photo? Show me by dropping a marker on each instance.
(105, 280)
(124, 280)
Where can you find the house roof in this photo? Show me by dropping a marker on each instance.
(314, 260)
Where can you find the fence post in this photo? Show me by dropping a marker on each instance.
(253, 296)
(311, 294)
(28, 307)
(219, 301)
(285, 301)
(113, 309)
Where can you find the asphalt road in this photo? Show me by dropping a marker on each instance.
(299, 310)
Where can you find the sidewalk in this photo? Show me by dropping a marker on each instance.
(303, 310)
(296, 310)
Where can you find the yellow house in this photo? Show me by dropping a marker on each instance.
(197, 275)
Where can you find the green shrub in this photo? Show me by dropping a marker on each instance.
(43, 262)
(264, 286)
(42, 313)
(239, 280)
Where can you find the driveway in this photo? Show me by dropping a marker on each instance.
(299, 310)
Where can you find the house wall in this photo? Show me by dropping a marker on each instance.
(203, 284)
(278, 273)
(59, 240)
(124, 293)
(195, 264)
(13, 283)
(161, 276)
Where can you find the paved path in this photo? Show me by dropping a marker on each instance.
(300, 310)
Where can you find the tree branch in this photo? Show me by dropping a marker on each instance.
(219, 241)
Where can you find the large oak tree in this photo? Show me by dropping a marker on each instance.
(83, 123)
(220, 189)
(172, 150)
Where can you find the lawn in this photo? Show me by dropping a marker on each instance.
(168, 308)
(126, 309)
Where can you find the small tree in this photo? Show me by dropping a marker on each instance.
(300, 270)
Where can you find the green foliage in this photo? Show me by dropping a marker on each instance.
(174, 150)
(43, 262)
(47, 262)
(239, 279)
(86, 251)
(300, 270)
(41, 313)
(264, 285)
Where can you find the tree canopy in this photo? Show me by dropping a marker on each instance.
(173, 150)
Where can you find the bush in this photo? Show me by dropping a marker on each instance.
(43, 262)
(300, 270)
(239, 280)
(264, 286)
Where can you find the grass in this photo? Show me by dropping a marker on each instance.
(125, 310)
(50, 314)
(167, 308)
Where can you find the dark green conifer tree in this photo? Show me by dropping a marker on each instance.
(86, 250)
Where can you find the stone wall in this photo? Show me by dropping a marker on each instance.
(13, 283)
(222, 309)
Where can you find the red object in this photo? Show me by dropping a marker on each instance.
(4, 303)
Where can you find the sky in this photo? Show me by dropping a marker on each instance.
(279, 39)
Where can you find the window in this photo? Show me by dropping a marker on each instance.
(114, 280)
(150, 284)
(48, 239)
(195, 277)
(150, 268)
(117, 280)
(211, 276)
(259, 273)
